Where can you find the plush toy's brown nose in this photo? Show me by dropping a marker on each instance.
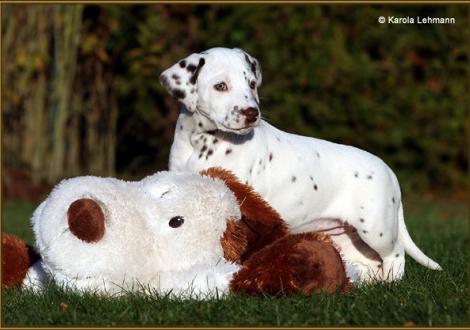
(86, 220)
(251, 114)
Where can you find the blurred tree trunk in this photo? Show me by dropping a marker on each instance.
(25, 44)
(59, 110)
(468, 125)
(101, 119)
(67, 25)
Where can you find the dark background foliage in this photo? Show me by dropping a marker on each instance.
(333, 72)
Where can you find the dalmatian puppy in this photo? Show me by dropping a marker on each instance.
(307, 180)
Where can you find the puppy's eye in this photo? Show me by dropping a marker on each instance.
(252, 84)
(220, 87)
(176, 222)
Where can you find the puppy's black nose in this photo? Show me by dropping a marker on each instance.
(251, 114)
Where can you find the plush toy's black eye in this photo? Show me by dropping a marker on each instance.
(175, 222)
(252, 84)
(220, 87)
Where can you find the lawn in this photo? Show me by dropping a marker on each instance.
(422, 298)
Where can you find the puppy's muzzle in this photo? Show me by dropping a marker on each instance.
(251, 115)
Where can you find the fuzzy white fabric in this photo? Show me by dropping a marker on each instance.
(139, 249)
(304, 179)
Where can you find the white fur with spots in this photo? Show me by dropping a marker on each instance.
(311, 182)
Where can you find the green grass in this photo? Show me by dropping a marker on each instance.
(424, 297)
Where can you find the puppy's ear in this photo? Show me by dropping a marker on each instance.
(180, 80)
(253, 65)
(259, 226)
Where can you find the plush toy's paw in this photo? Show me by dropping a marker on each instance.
(16, 259)
(223, 274)
(36, 277)
(201, 281)
(86, 220)
(301, 263)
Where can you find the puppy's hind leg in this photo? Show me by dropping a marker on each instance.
(393, 267)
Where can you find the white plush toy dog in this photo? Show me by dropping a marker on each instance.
(184, 234)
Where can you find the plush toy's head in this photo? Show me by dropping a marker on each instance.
(193, 212)
(104, 228)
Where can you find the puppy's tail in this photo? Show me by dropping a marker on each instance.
(410, 246)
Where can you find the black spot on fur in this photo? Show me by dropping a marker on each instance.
(164, 81)
(369, 177)
(293, 179)
(175, 76)
(251, 64)
(181, 127)
(381, 234)
(178, 93)
(311, 178)
(364, 231)
(318, 154)
(193, 78)
(228, 151)
(356, 175)
(191, 68)
(215, 141)
(210, 152)
(199, 124)
(397, 255)
(315, 187)
(361, 220)
(200, 155)
(182, 63)
(278, 139)
(204, 148)
(270, 156)
(260, 161)
(393, 200)
(251, 170)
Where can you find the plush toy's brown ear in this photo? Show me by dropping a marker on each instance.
(305, 263)
(86, 220)
(260, 224)
(17, 257)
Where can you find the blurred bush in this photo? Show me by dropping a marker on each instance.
(333, 72)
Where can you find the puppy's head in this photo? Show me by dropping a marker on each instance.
(221, 84)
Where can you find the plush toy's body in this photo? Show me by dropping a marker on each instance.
(184, 233)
